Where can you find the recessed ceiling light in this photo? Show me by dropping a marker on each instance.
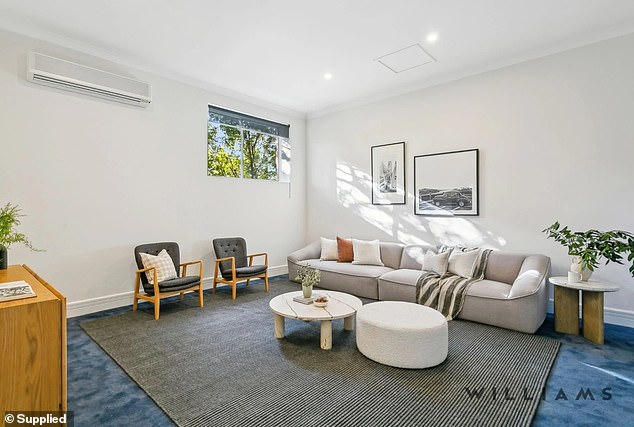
(432, 37)
(328, 76)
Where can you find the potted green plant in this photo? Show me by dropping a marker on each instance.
(588, 247)
(309, 277)
(9, 221)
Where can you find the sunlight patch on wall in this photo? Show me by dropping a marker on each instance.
(382, 220)
(351, 188)
(411, 231)
(501, 241)
(354, 190)
(455, 231)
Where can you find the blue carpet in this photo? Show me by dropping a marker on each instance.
(590, 385)
(101, 394)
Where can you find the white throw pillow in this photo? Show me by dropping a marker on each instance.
(328, 250)
(462, 262)
(367, 252)
(437, 263)
(164, 266)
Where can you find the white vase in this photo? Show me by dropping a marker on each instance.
(575, 266)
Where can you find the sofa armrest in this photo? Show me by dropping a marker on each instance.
(312, 251)
(531, 277)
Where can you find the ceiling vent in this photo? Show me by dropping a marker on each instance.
(73, 77)
(405, 59)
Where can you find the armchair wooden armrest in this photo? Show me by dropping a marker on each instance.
(185, 264)
(264, 254)
(233, 265)
(155, 281)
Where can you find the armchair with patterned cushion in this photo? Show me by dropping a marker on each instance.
(163, 275)
(235, 266)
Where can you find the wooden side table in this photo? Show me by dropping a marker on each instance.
(567, 307)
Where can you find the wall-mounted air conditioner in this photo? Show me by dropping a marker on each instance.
(67, 75)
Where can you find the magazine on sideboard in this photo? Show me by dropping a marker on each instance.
(15, 290)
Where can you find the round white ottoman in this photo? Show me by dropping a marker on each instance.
(402, 334)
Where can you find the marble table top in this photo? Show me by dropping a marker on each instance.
(340, 305)
(590, 285)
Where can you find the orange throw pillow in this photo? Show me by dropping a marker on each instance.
(344, 250)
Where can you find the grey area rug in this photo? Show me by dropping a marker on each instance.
(222, 366)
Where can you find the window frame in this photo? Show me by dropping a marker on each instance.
(241, 128)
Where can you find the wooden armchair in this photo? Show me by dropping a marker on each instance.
(232, 264)
(157, 290)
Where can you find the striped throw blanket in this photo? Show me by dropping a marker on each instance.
(446, 293)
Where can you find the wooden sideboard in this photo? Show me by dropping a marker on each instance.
(32, 346)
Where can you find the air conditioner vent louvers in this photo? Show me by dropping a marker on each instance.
(79, 87)
(67, 75)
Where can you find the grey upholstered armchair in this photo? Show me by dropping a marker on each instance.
(232, 264)
(153, 292)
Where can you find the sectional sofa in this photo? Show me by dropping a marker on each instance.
(513, 294)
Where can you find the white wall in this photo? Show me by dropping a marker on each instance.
(97, 178)
(556, 140)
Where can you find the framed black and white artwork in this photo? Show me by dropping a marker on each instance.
(388, 174)
(446, 184)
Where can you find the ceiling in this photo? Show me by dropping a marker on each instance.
(277, 52)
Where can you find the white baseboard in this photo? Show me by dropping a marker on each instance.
(613, 316)
(278, 270)
(93, 305)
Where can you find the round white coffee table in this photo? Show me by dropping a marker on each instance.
(340, 306)
(567, 307)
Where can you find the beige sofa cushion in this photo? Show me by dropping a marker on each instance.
(348, 268)
(400, 285)
(328, 249)
(403, 276)
(437, 263)
(524, 314)
(366, 252)
(503, 266)
(359, 280)
(461, 263)
(489, 289)
(481, 288)
(391, 254)
(413, 255)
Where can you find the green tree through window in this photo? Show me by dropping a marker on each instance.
(223, 150)
(242, 146)
(260, 155)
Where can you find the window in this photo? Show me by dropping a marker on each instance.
(243, 146)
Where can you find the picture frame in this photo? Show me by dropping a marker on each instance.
(447, 184)
(388, 174)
